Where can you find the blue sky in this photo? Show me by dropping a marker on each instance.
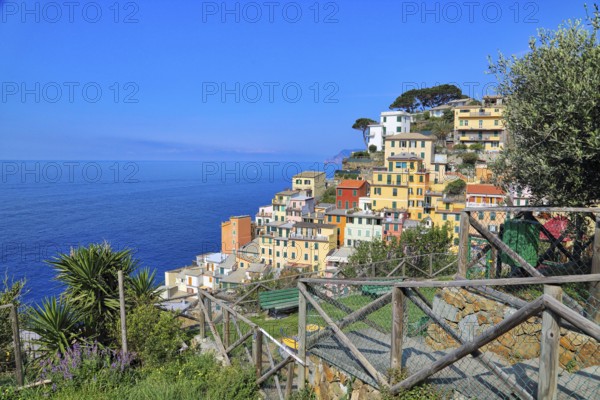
(193, 80)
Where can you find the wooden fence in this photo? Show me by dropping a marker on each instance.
(549, 306)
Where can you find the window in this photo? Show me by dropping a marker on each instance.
(480, 123)
(316, 257)
(384, 119)
(437, 167)
(306, 245)
(398, 129)
(354, 193)
(262, 250)
(353, 204)
(394, 206)
(403, 143)
(422, 144)
(398, 119)
(374, 203)
(456, 229)
(394, 192)
(411, 178)
(419, 191)
(277, 254)
(339, 192)
(379, 177)
(293, 256)
(496, 122)
(492, 216)
(421, 178)
(420, 215)
(445, 217)
(337, 219)
(316, 246)
(339, 205)
(480, 215)
(447, 206)
(306, 257)
(423, 155)
(360, 221)
(457, 217)
(393, 143)
(346, 204)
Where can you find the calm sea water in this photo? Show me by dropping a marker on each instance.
(167, 212)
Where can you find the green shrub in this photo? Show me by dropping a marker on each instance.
(154, 335)
(372, 148)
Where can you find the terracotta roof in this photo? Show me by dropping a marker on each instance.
(351, 184)
(490, 190)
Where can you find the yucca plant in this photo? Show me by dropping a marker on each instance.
(57, 325)
(142, 287)
(90, 275)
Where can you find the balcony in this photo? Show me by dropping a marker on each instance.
(471, 204)
(480, 114)
(297, 236)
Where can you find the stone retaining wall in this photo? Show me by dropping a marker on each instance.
(471, 314)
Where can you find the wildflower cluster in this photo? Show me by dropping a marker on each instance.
(86, 363)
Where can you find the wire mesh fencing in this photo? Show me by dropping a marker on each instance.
(510, 242)
(461, 339)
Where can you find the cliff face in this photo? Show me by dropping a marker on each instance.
(338, 158)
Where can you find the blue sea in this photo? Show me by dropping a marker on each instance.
(166, 212)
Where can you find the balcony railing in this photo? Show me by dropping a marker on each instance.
(307, 237)
(472, 204)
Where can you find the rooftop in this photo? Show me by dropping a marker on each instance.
(485, 189)
(311, 225)
(405, 156)
(411, 136)
(309, 174)
(351, 184)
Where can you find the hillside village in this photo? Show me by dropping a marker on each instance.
(406, 180)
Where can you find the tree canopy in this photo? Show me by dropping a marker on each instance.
(362, 124)
(426, 98)
(553, 116)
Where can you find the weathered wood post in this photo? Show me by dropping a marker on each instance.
(14, 317)
(430, 266)
(594, 300)
(550, 345)
(301, 337)
(201, 319)
(464, 244)
(290, 380)
(397, 327)
(257, 352)
(123, 315)
(225, 328)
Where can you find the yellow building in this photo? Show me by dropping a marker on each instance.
(481, 124)
(280, 203)
(310, 180)
(301, 245)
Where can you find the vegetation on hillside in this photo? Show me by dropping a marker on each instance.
(553, 115)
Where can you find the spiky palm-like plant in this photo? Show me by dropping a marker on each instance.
(56, 324)
(142, 288)
(90, 275)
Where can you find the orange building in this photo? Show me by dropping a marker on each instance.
(235, 233)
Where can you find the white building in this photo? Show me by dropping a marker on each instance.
(390, 123)
(363, 226)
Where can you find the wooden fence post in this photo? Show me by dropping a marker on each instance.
(14, 317)
(550, 345)
(225, 328)
(397, 327)
(257, 352)
(594, 300)
(301, 337)
(430, 266)
(464, 244)
(123, 315)
(290, 380)
(201, 319)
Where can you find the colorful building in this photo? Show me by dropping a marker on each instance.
(362, 226)
(348, 193)
(484, 195)
(481, 124)
(337, 217)
(235, 233)
(314, 181)
(280, 203)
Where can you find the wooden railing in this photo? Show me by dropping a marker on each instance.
(227, 342)
(549, 305)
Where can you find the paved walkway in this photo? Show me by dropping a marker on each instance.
(467, 376)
